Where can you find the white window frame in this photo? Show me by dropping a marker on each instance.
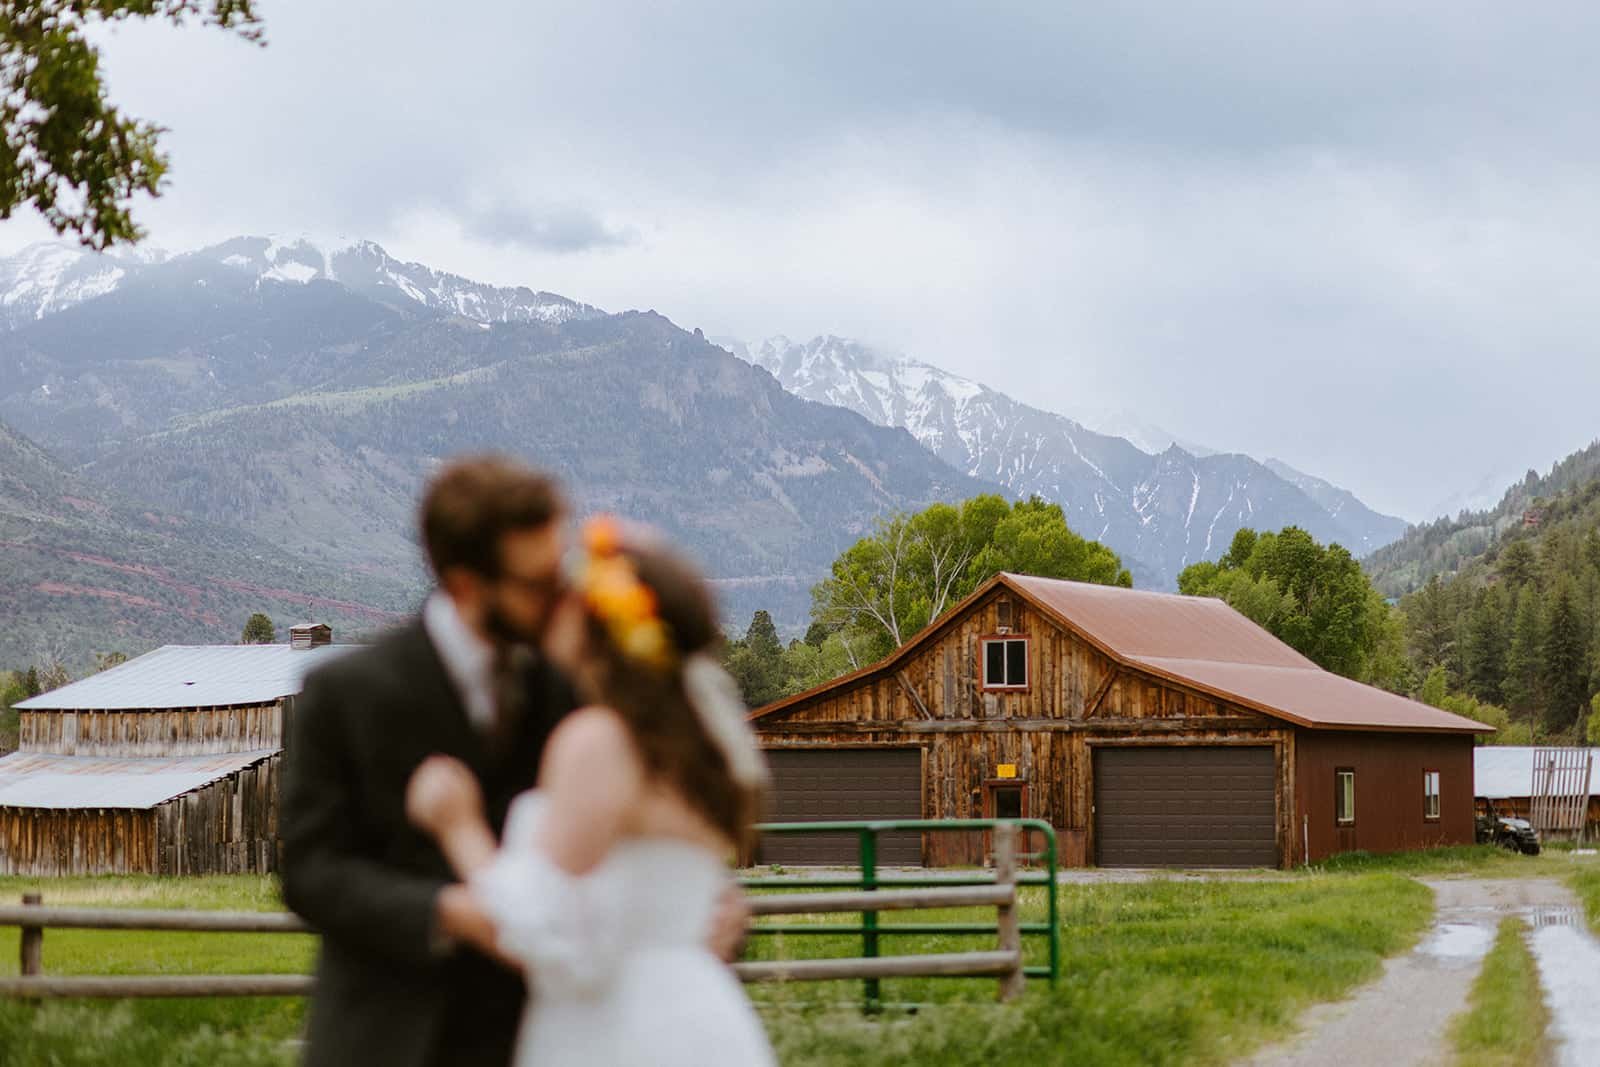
(1027, 662)
(1340, 791)
(1430, 795)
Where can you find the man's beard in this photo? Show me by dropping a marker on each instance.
(505, 633)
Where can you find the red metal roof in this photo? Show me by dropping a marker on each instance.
(1134, 622)
(1202, 643)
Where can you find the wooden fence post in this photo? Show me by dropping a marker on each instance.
(1009, 917)
(32, 941)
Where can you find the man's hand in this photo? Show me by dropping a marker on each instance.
(729, 925)
(443, 794)
(460, 920)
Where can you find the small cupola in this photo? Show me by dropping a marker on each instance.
(310, 635)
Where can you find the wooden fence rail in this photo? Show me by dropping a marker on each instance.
(1004, 962)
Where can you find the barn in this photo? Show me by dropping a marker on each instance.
(166, 764)
(1506, 777)
(1150, 729)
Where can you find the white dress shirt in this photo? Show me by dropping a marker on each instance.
(468, 658)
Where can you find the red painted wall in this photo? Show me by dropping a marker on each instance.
(1389, 791)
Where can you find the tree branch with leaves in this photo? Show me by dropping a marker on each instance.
(68, 150)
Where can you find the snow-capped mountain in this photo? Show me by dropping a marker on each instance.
(46, 278)
(53, 276)
(1161, 508)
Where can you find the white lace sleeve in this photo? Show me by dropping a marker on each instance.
(564, 928)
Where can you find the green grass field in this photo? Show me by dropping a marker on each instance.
(1504, 1024)
(1586, 883)
(1166, 972)
(1484, 861)
(200, 1032)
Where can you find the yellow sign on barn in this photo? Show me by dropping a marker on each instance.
(1006, 770)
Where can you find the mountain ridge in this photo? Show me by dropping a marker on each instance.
(1142, 504)
(310, 412)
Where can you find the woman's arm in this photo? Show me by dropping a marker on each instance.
(591, 778)
(444, 800)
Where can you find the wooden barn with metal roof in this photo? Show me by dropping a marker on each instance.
(166, 764)
(1150, 729)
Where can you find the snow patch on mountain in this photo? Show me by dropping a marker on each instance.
(47, 278)
(50, 276)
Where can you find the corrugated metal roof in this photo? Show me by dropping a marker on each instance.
(1311, 696)
(44, 780)
(192, 676)
(1197, 641)
(1136, 622)
(1503, 771)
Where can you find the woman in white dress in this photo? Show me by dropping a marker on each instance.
(609, 875)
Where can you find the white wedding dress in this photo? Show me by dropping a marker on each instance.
(619, 969)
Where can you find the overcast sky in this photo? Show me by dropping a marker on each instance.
(1359, 237)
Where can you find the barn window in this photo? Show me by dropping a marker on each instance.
(1003, 615)
(1005, 663)
(1430, 795)
(1344, 796)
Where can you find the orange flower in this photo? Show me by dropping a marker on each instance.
(615, 595)
(602, 536)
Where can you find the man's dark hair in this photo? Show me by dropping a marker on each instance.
(473, 502)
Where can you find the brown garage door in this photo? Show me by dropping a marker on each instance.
(828, 785)
(1185, 807)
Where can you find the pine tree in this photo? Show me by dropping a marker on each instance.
(1566, 665)
(1430, 624)
(761, 637)
(1524, 654)
(1485, 646)
(30, 682)
(258, 630)
(1518, 564)
(756, 661)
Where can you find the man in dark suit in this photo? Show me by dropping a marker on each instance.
(397, 983)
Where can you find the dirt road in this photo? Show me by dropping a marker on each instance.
(1401, 1018)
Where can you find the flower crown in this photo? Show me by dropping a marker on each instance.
(615, 594)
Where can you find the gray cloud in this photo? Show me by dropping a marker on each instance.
(1356, 235)
(561, 229)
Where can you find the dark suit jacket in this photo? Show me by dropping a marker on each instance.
(357, 871)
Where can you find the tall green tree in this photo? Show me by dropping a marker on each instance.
(1565, 662)
(1517, 564)
(756, 661)
(1313, 597)
(67, 150)
(1488, 633)
(1524, 654)
(913, 568)
(1431, 624)
(258, 630)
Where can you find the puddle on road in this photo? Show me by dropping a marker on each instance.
(1458, 941)
(1569, 969)
(1538, 918)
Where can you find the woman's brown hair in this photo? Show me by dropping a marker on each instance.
(654, 700)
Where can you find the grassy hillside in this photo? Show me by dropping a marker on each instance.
(1444, 546)
(85, 571)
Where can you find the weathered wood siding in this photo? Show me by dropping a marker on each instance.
(153, 732)
(1076, 700)
(227, 827)
(42, 841)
